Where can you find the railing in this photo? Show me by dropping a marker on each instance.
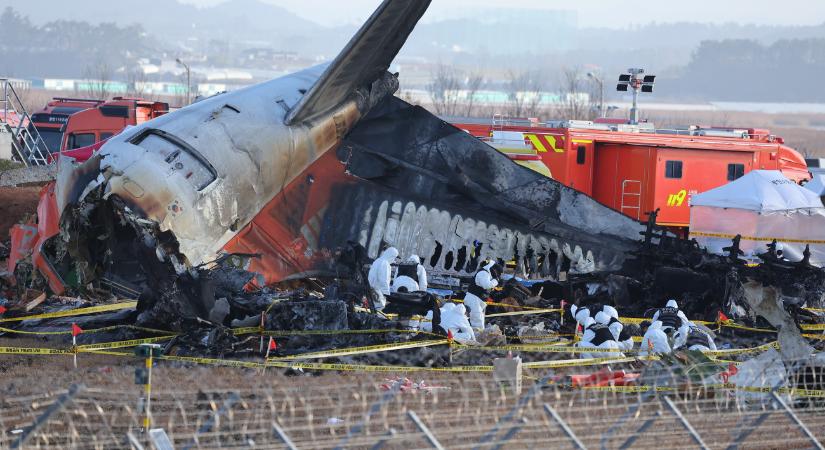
(637, 195)
(27, 144)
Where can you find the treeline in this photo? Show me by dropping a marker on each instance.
(66, 48)
(789, 70)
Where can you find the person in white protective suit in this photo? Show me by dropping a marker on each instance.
(696, 339)
(672, 317)
(598, 335)
(478, 292)
(655, 340)
(605, 317)
(453, 318)
(411, 276)
(380, 275)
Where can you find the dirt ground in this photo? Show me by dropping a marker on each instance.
(15, 205)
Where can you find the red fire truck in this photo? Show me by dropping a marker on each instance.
(92, 126)
(50, 120)
(635, 169)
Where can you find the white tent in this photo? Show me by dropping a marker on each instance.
(760, 206)
(817, 184)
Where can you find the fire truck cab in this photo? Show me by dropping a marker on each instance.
(50, 120)
(636, 169)
(89, 127)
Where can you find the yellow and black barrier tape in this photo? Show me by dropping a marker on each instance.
(524, 313)
(34, 351)
(123, 344)
(721, 386)
(583, 362)
(373, 368)
(758, 238)
(319, 366)
(74, 312)
(362, 350)
(542, 348)
(88, 331)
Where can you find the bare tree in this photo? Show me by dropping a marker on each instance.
(444, 90)
(525, 92)
(136, 82)
(97, 78)
(574, 99)
(473, 84)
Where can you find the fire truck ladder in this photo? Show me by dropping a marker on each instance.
(632, 190)
(27, 144)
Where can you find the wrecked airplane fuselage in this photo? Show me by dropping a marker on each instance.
(289, 171)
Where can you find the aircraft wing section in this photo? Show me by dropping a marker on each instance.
(364, 60)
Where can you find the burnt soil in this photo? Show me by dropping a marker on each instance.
(15, 205)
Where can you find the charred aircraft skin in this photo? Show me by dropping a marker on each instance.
(256, 172)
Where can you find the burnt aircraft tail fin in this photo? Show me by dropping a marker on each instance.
(364, 60)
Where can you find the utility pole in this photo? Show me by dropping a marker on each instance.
(634, 80)
(600, 82)
(188, 80)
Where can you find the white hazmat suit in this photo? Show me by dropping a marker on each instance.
(484, 280)
(682, 327)
(655, 340)
(453, 318)
(380, 276)
(403, 281)
(590, 336)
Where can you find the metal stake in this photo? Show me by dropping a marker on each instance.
(797, 421)
(281, 434)
(629, 442)
(511, 433)
(356, 429)
(55, 407)
(423, 428)
(383, 441)
(686, 424)
(566, 428)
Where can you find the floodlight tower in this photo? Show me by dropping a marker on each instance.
(635, 80)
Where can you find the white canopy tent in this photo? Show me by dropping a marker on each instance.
(817, 184)
(761, 206)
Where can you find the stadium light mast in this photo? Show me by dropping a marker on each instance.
(636, 80)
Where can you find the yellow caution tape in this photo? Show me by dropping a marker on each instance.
(213, 361)
(582, 362)
(737, 351)
(362, 350)
(75, 312)
(323, 366)
(543, 348)
(33, 351)
(507, 305)
(88, 331)
(123, 344)
(371, 368)
(758, 239)
(523, 313)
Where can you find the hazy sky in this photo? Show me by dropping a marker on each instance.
(602, 13)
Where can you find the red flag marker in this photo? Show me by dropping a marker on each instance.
(2, 309)
(450, 335)
(722, 317)
(76, 330)
(272, 344)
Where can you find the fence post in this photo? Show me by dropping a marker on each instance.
(566, 428)
(423, 428)
(55, 407)
(693, 433)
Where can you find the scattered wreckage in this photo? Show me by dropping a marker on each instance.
(267, 204)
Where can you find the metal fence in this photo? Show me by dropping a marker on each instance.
(351, 410)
